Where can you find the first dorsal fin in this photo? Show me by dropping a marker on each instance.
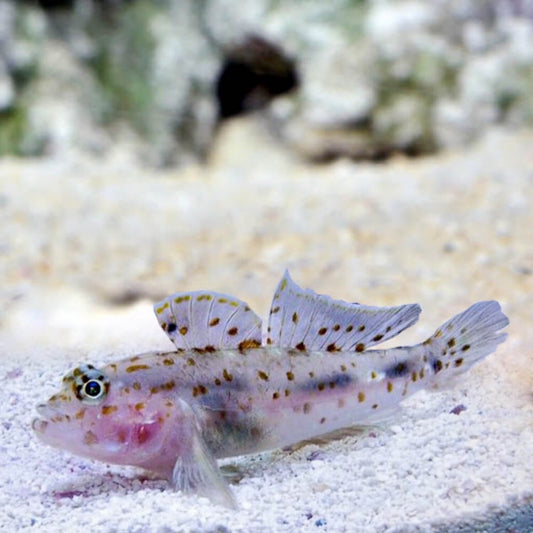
(302, 319)
(208, 321)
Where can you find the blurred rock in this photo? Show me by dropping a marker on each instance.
(347, 78)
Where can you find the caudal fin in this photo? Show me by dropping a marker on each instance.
(466, 339)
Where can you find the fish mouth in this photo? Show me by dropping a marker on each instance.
(39, 426)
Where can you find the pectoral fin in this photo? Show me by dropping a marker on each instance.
(196, 471)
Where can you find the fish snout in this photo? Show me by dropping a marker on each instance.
(46, 410)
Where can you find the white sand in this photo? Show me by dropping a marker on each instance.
(445, 232)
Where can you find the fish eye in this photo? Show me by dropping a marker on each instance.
(89, 384)
(93, 389)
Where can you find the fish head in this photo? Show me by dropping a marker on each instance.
(96, 415)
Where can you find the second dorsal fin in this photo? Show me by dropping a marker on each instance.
(208, 321)
(302, 319)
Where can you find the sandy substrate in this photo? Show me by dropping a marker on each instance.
(87, 246)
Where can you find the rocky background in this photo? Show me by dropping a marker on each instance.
(355, 78)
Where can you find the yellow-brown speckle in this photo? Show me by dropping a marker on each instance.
(191, 361)
(136, 385)
(262, 375)
(360, 347)
(226, 375)
(136, 368)
(290, 376)
(184, 330)
(108, 409)
(214, 321)
(361, 397)
(389, 386)
(168, 361)
(140, 406)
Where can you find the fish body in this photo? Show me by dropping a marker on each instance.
(229, 390)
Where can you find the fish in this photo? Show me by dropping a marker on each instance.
(229, 388)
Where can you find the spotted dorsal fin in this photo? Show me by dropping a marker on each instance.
(208, 321)
(302, 319)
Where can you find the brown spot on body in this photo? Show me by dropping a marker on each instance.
(136, 368)
(421, 373)
(170, 385)
(80, 414)
(287, 393)
(140, 406)
(300, 346)
(274, 310)
(322, 331)
(136, 385)
(90, 438)
(184, 330)
(307, 407)
(290, 376)
(323, 419)
(349, 328)
(233, 331)
(321, 386)
(373, 375)
(360, 347)
(361, 328)
(191, 361)
(414, 376)
(465, 347)
(275, 395)
(311, 374)
(451, 343)
(389, 386)
(332, 347)
(295, 317)
(227, 376)
(214, 321)
(336, 327)
(262, 375)
(168, 361)
(361, 397)
(343, 368)
(249, 344)
(459, 361)
(218, 382)
(375, 406)
(438, 333)
(377, 338)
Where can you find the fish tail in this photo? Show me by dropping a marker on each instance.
(464, 340)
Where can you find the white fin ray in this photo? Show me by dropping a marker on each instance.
(207, 320)
(302, 319)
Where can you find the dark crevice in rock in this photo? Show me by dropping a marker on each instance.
(252, 74)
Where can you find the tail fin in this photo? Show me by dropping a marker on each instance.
(465, 339)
